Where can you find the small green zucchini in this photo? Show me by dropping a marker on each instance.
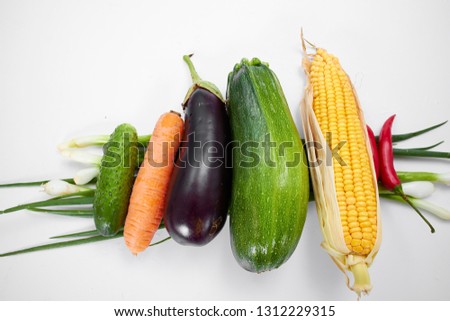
(270, 187)
(115, 180)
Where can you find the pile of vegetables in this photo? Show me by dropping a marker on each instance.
(243, 157)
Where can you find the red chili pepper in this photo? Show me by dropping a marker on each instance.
(373, 145)
(388, 174)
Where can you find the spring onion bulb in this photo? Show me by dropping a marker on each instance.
(425, 205)
(86, 175)
(418, 189)
(94, 140)
(85, 141)
(82, 156)
(433, 208)
(58, 187)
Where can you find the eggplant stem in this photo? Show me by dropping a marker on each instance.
(199, 83)
(194, 75)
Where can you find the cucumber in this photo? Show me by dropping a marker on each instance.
(115, 180)
(269, 195)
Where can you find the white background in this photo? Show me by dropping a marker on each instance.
(70, 68)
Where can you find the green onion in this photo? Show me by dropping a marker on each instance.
(94, 140)
(85, 141)
(57, 245)
(402, 137)
(57, 187)
(82, 156)
(35, 183)
(424, 176)
(420, 153)
(425, 205)
(428, 147)
(86, 175)
(91, 159)
(80, 198)
(416, 189)
(66, 212)
(87, 240)
(79, 234)
(159, 242)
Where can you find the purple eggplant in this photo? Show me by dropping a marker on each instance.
(200, 187)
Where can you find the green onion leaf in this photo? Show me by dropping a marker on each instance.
(89, 233)
(420, 153)
(79, 234)
(91, 239)
(35, 183)
(56, 201)
(159, 242)
(402, 137)
(428, 147)
(57, 245)
(66, 212)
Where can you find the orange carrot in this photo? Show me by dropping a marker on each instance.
(147, 201)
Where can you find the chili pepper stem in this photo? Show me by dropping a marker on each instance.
(399, 191)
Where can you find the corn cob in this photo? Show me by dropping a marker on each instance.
(345, 188)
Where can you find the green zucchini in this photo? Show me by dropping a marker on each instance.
(115, 180)
(269, 195)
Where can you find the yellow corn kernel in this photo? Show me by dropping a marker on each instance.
(348, 239)
(367, 236)
(357, 235)
(353, 224)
